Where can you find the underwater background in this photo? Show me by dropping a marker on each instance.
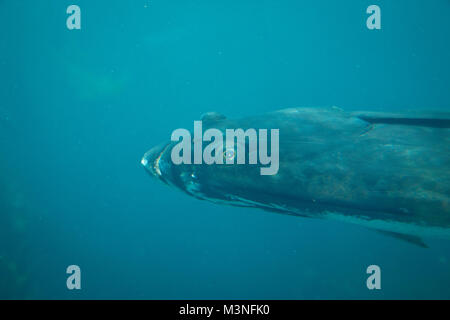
(78, 109)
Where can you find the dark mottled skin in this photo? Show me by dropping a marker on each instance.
(392, 167)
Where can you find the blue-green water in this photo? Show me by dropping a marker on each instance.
(78, 108)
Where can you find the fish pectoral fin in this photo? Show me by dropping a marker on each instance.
(405, 237)
(433, 120)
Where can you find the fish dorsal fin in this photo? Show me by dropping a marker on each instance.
(434, 120)
(405, 237)
(212, 117)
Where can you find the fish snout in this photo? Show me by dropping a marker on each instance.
(152, 159)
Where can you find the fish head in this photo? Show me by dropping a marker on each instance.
(220, 183)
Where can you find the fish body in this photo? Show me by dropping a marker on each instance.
(385, 171)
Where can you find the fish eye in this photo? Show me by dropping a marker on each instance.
(229, 154)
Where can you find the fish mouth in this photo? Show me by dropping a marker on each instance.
(152, 160)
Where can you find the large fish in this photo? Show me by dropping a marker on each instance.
(389, 172)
